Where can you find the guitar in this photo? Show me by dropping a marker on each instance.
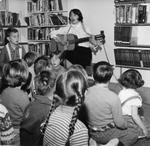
(69, 41)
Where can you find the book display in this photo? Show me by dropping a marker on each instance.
(44, 16)
(131, 33)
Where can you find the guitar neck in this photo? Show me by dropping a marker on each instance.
(82, 40)
(85, 39)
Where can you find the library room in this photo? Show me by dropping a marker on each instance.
(75, 72)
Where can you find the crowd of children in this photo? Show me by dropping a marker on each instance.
(44, 103)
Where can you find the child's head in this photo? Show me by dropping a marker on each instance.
(41, 63)
(70, 86)
(55, 60)
(44, 82)
(79, 68)
(131, 79)
(15, 73)
(102, 72)
(12, 36)
(30, 58)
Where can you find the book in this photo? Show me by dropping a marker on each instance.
(145, 55)
(127, 57)
(142, 14)
(129, 13)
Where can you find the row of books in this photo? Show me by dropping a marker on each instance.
(133, 13)
(131, 1)
(42, 48)
(47, 19)
(9, 18)
(132, 57)
(44, 6)
(39, 33)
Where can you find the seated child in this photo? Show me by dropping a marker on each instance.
(130, 98)
(30, 58)
(37, 110)
(15, 74)
(56, 67)
(103, 107)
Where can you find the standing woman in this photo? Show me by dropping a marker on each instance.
(62, 126)
(82, 53)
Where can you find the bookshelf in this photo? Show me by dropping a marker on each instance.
(11, 19)
(43, 17)
(131, 34)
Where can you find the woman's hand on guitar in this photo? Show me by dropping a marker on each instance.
(92, 40)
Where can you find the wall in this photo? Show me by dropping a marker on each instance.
(100, 15)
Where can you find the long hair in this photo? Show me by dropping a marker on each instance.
(69, 90)
(76, 12)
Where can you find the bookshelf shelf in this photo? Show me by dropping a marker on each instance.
(127, 24)
(118, 2)
(124, 66)
(13, 26)
(49, 12)
(41, 41)
(135, 46)
(46, 26)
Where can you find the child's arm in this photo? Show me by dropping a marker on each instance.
(137, 119)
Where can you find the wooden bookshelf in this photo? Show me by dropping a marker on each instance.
(131, 49)
(44, 16)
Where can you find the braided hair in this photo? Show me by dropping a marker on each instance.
(44, 125)
(69, 90)
(70, 87)
(74, 116)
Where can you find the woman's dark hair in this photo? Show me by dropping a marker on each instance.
(76, 12)
(44, 82)
(102, 72)
(131, 79)
(8, 32)
(70, 85)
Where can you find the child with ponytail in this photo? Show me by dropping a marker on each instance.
(62, 126)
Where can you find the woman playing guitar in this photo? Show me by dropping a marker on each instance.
(82, 53)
